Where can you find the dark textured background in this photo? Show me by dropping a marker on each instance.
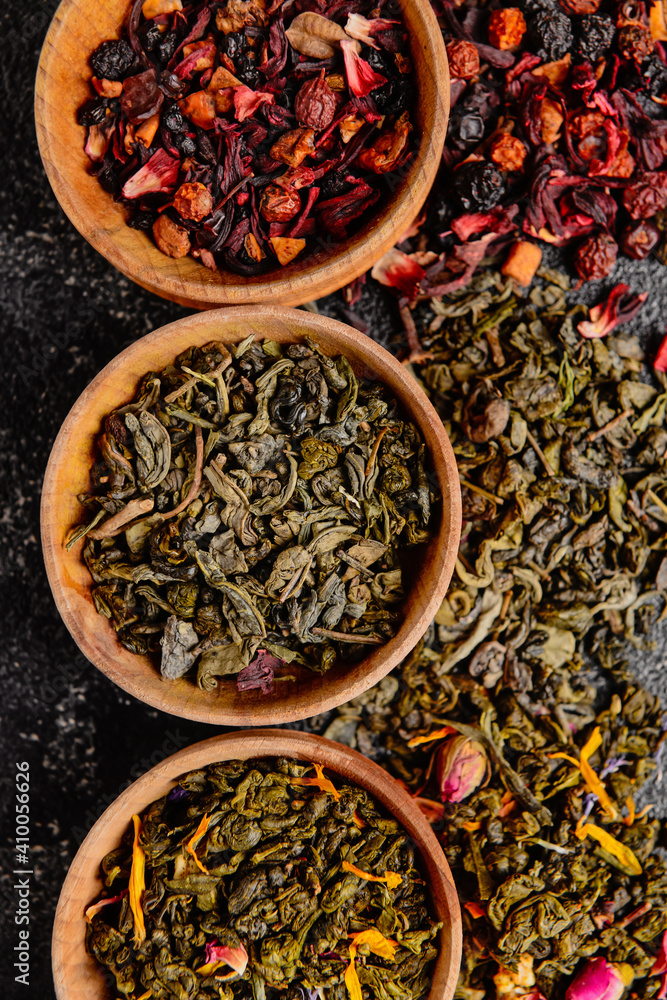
(64, 313)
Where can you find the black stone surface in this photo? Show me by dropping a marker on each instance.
(64, 314)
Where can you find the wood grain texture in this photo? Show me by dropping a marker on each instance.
(77, 975)
(67, 475)
(62, 85)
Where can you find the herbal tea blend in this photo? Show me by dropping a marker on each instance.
(557, 134)
(528, 765)
(248, 511)
(248, 134)
(252, 878)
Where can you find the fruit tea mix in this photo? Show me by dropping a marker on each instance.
(248, 509)
(257, 879)
(247, 133)
(557, 134)
(516, 725)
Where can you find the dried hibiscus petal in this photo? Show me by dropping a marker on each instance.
(361, 78)
(399, 270)
(620, 307)
(158, 175)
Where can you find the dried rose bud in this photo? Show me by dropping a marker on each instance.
(463, 60)
(279, 203)
(506, 27)
(596, 256)
(463, 767)
(193, 201)
(383, 155)
(599, 980)
(647, 196)
(315, 104)
(635, 42)
(639, 238)
(171, 239)
(293, 147)
(508, 152)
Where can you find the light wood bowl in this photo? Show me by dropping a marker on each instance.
(68, 472)
(78, 976)
(62, 86)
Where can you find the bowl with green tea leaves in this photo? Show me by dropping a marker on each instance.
(237, 152)
(256, 865)
(250, 516)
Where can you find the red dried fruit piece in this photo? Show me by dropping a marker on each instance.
(193, 201)
(315, 104)
(463, 60)
(385, 152)
(158, 175)
(580, 6)
(141, 96)
(596, 256)
(293, 147)
(286, 248)
(279, 203)
(199, 108)
(506, 27)
(171, 238)
(198, 57)
(639, 238)
(647, 195)
(508, 152)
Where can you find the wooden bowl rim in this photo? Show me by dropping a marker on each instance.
(323, 692)
(69, 922)
(294, 284)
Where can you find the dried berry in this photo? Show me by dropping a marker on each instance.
(171, 238)
(112, 60)
(654, 72)
(646, 196)
(315, 104)
(508, 152)
(396, 96)
(639, 238)
(551, 34)
(596, 256)
(279, 203)
(93, 112)
(193, 201)
(463, 60)
(635, 42)
(507, 27)
(595, 33)
(478, 186)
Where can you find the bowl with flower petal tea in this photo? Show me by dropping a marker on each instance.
(265, 776)
(280, 567)
(242, 174)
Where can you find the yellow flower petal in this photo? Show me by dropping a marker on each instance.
(377, 943)
(137, 883)
(611, 845)
(320, 782)
(437, 734)
(391, 879)
(351, 978)
(191, 845)
(591, 779)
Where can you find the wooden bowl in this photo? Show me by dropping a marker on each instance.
(78, 976)
(62, 86)
(67, 475)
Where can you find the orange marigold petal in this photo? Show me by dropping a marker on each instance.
(614, 847)
(137, 883)
(191, 845)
